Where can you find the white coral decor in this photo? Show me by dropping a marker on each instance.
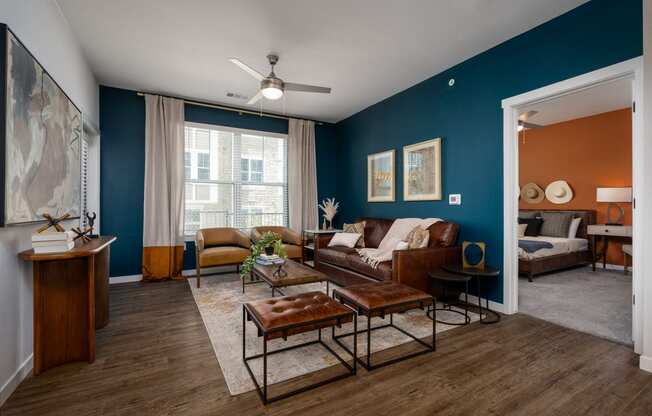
(329, 207)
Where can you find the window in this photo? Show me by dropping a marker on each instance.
(203, 166)
(188, 164)
(234, 178)
(251, 170)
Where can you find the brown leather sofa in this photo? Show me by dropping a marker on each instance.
(220, 247)
(345, 267)
(291, 239)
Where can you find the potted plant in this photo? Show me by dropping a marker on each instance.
(269, 243)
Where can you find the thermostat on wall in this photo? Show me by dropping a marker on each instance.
(455, 199)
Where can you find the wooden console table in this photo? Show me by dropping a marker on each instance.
(71, 300)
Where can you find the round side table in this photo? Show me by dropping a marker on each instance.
(443, 278)
(478, 274)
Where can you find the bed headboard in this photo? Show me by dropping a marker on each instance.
(588, 217)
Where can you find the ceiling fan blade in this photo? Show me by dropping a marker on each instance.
(525, 116)
(247, 69)
(530, 125)
(255, 98)
(291, 86)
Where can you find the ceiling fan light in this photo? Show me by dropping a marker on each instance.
(272, 93)
(520, 127)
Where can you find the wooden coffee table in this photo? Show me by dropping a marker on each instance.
(290, 274)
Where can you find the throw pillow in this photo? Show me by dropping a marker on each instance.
(556, 224)
(575, 225)
(418, 237)
(402, 245)
(344, 239)
(533, 228)
(358, 228)
(521, 230)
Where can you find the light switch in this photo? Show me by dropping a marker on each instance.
(455, 199)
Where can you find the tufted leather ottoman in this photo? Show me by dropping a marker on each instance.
(290, 315)
(381, 299)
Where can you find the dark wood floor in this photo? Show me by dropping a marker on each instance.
(155, 358)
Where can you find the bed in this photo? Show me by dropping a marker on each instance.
(564, 253)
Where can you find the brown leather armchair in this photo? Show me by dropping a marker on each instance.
(291, 239)
(220, 247)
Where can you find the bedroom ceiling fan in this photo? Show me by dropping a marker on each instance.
(523, 121)
(272, 87)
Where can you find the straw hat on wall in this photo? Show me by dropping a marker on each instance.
(532, 193)
(559, 192)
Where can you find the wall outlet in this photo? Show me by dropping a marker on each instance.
(455, 199)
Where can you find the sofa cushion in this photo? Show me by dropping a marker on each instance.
(293, 251)
(374, 230)
(217, 256)
(335, 255)
(382, 272)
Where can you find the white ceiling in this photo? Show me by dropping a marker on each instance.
(600, 99)
(365, 50)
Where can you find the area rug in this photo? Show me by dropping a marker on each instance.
(220, 300)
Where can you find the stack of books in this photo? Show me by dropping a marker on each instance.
(266, 260)
(53, 242)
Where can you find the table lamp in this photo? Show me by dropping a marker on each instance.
(612, 196)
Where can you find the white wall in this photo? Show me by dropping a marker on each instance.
(646, 357)
(45, 32)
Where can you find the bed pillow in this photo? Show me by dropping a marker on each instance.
(556, 224)
(533, 228)
(521, 230)
(357, 227)
(574, 226)
(344, 239)
(529, 214)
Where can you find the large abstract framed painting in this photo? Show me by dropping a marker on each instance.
(380, 177)
(422, 171)
(40, 141)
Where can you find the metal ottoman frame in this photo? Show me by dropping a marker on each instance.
(381, 312)
(248, 315)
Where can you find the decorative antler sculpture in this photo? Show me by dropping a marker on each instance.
(53, 222)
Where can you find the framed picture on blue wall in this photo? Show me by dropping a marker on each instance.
(422, 171)
(380, 176)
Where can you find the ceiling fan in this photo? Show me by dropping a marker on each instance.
(523, 121)
(272, 87)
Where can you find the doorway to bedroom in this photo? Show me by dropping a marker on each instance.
(573, 167)
(575, 177)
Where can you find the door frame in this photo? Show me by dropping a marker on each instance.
(630, 69)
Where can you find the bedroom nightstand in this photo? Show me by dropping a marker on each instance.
(607, 232)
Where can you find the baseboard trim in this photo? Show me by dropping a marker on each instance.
(187, 273)
(645, 363)
(125, 279)
(19, 375)
(494, 306)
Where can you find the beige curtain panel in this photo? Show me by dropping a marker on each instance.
(302, 175)
(163, 242)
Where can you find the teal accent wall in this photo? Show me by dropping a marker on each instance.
(122, 165)
(468, 117)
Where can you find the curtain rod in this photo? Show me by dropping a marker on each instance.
(228, 108)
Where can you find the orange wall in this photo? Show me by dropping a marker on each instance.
(587, 153)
